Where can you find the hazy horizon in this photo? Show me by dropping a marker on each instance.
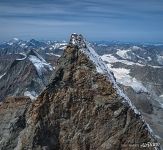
(108, 20)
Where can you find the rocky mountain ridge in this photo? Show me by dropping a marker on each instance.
(82, 108)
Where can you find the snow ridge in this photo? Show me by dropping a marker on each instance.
(101, 67)
(23, 58)
(86, 48)
(2, 75)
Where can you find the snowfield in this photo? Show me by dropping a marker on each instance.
(123, 53)
(52, 54)
(2, 75)
(111, 59)
(122, 76)
(41, 65)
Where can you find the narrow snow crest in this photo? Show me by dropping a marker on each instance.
(2, 75)
(86, 48)
(101, 67)
(23, 58)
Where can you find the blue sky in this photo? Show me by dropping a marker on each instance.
(124, 20)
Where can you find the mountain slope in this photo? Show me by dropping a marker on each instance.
(12, 116)
(26, 76)
(82, 109)
(141, 80)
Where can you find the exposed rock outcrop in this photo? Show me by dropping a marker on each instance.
(82, 109)
(12, 120)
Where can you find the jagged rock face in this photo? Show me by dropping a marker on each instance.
(81, 110)
(12, 116)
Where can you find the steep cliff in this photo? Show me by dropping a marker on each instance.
(12, 120)
(83, 109)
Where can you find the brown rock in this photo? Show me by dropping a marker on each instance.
(12, 121)
(80, 110)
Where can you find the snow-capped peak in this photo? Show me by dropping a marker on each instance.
(15, 39)
(12, 41)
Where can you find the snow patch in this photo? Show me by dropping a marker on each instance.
(42, 48)
(161, 100)
(161, 96)
(10, 43)
(123, 54)
(103, 45)
(160, 59)
(111, 59)
(136, 48)
(149, 58)
(40, 64)
(155, 66)
(15, 39)
(52, 54)
(31, 94)
(58, 46)
(25, 56)
(2, 75)
(122, 76)
(22, 45)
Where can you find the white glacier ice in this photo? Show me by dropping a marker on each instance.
(123, 53)
(40, 64)
(122, 76)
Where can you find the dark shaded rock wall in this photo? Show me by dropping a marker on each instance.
(12, 121)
